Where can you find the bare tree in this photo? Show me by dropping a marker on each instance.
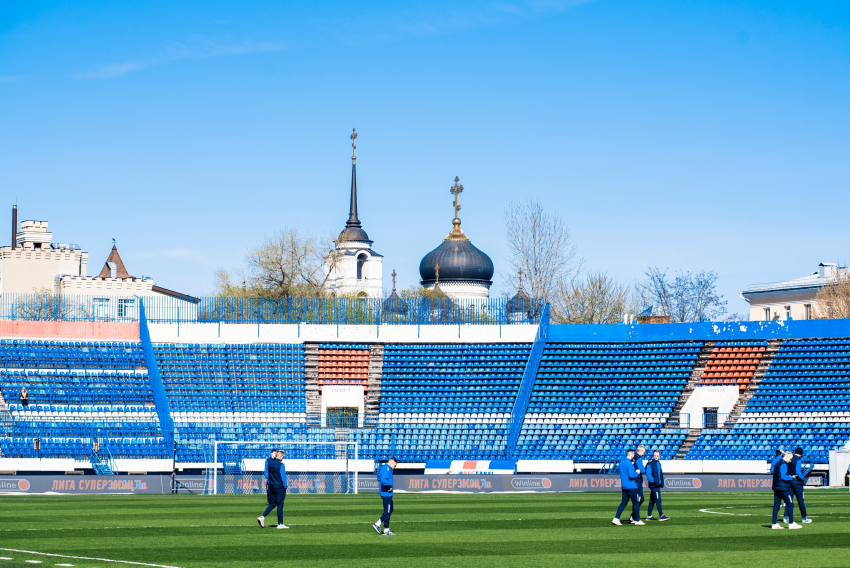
(833, 300)
(686, 298)
(541, 246)
(289, 264)
(596, 298)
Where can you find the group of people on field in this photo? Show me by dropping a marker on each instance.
(786, 469)
(632, 470)
(276, 485)
(788, 483)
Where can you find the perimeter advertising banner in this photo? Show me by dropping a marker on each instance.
(336, 483)
(564, 482)
(82, 484)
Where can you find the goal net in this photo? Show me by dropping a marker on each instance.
(311, 467)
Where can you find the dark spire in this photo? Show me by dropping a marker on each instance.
(353, 221)
(353, 230)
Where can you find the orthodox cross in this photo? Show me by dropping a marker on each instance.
(353, 143)
(520, 278)
(437, 273)
(393, 279)
(456, 191)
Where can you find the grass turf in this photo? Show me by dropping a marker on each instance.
(491, 530)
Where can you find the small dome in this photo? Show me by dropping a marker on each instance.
(354, 234)
(459, 260)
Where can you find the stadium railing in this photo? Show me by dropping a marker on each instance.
(370, 311)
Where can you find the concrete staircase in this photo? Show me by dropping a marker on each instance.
(311, 378)
(693, 381)
(693, 434)
(744, 397)
(372, 404)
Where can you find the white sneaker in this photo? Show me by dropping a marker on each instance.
(377, 528)
(638, 523)
(785, 520)
(650, 518)
(807, 520)
(262, 521)
(616, 522)
(795, 526)
(282, 527)
(777, 526)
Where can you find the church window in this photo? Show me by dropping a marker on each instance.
(361, 260)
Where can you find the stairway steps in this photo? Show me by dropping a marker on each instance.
(764, 364)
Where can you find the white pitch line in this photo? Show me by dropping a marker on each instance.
(719, 513)
(87, 558)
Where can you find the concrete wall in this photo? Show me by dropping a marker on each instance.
(69, 330)
(723, 398)
(26, 270)
(293, 333)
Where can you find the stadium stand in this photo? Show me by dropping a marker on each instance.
(434, 401)
(593, 399)
(84, 399)
(233, 392)
(441, 401)
(802, 400)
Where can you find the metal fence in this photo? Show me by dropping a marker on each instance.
(373, 311)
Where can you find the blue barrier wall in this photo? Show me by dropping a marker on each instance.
(527, 385)
(163, 409)
(713, 331)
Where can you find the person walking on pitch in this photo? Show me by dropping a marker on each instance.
(628, 474)
(782, 492)
(385, 482)
(798, 482)
(275, 473)
(655, 477)
(641, 450)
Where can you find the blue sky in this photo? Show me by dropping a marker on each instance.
(688, 135)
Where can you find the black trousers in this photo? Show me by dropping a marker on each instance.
(275, 497)
(630, 494)
(778, 498)
(655, 500)
(797, 490)
(388, 510)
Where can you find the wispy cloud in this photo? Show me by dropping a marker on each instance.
(13, 78)
(429, 22)
(197, 47)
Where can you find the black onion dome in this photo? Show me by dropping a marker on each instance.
(458, 260)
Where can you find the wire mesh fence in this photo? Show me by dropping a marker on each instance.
(370, 311)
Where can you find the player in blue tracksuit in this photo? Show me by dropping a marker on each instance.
(639, 452)
(276, 485)
(655, 477)
(628, 474)
(385, 483)
(777, 457)
(782, 477)
(799, 482)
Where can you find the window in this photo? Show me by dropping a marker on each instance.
(361, 260)
(808, 311)
(787, 312)
(767, 314)
(126, 308)
(100, 308)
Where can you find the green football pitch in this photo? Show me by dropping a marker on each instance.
(524, 530)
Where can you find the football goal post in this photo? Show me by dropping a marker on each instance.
(311, 467)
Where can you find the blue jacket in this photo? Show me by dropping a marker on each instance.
(654, 475)
(775, 461)
(276, 474)
(782, 477)
(385, 479)
(628, 475)
(640, 466)
(797, 468)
